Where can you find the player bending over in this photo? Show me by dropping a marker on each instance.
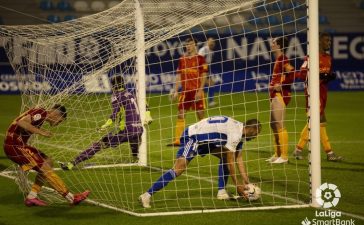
(28, 157)
(220, 136)
(125, 116)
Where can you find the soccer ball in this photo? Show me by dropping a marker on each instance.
(253, 193)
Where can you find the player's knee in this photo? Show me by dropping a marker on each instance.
(180, 166)
(179, 171)
(105, 144)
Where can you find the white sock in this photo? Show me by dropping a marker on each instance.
(330, 152)
(32, 195)
(69, 197)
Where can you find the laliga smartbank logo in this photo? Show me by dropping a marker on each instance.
(327, 196)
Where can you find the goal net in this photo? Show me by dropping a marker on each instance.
(71, 63)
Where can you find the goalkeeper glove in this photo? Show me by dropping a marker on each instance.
(148, 118)
(106, 125)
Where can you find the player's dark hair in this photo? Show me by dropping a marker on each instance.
(117, 82)
(191, 39)
(61, 109)
(254, 123)
(283, 43)
(324, 34)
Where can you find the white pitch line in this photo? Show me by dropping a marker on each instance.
(211, 181)
(187, 175)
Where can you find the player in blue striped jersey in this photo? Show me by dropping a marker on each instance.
(220, 136)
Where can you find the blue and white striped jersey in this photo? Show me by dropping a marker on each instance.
(218, 130)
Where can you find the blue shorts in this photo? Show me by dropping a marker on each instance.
(190, 147)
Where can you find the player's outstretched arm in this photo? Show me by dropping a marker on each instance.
(241, 167)
(230, 157)
(26, 123)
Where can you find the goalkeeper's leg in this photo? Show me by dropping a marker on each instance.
(110, 140)
(92, 150)
(134, 142)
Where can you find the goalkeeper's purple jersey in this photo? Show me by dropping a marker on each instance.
(125, 109)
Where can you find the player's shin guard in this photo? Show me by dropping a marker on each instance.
(223, 174)
(180, 126)
(162, 181)
(38, 183)
(303, 138)
(324, 138)
(55, 182)
(283, 142)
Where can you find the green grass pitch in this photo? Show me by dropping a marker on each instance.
(344, 113)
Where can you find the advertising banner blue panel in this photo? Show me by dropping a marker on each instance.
(239, 63)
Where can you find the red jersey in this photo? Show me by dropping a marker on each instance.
(191, 69)
(16, 134)
(279, 76)
(325, 68)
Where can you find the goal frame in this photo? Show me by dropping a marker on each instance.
(313, 115)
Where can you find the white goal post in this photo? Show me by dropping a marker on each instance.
(71, 63)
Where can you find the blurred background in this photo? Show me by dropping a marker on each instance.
(335, 15)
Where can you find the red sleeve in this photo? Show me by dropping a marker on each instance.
(37, 115)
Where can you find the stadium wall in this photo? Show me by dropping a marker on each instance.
(234, 66)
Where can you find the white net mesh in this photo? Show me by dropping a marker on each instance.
(70, 63)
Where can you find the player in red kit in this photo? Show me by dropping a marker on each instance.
(280, 96)
(326, 75)
(27, 157)
(191, 75)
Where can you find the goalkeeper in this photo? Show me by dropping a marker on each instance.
(125, 116)
(220, 136)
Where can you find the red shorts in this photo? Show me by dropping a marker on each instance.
(187, 101)
(284, 96)
(26, 156)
